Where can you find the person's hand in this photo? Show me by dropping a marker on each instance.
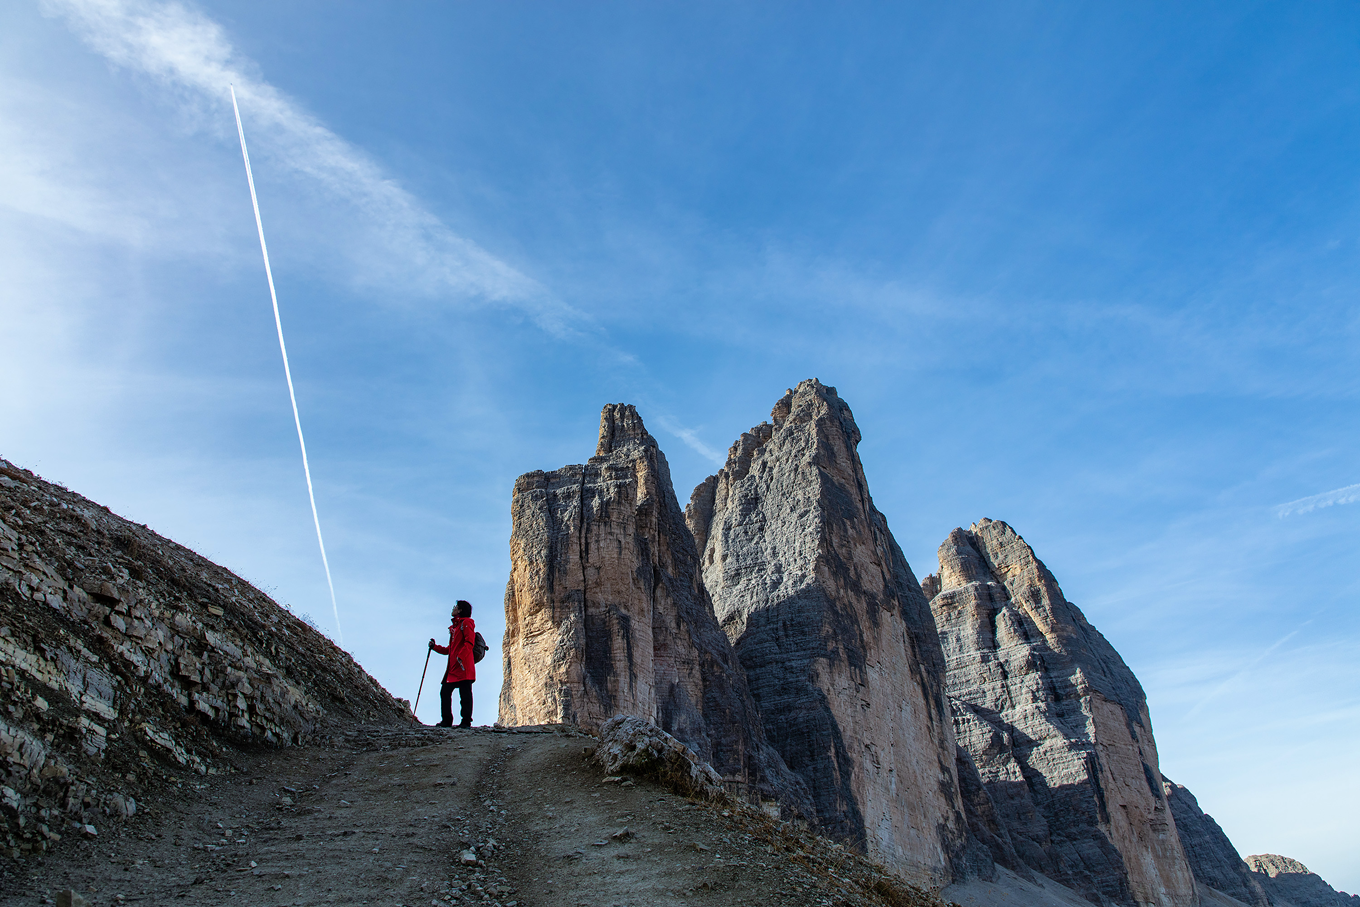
(431, 643)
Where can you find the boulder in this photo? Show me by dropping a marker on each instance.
(633, 746)
(1056, 724)
(834, 635)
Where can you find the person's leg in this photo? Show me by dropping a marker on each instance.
(465, 702)
(446, 704)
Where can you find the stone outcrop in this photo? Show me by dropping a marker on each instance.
(834, 635)
(606, 615)
(1288, 883)
(1056, 723)
(1212, 857)
(128, 659)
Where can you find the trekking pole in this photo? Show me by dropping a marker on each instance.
(422, 680)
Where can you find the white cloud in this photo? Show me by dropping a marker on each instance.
(692, 441)
(1348, 495)
(398, 243)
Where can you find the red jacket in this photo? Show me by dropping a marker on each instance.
(461, 667)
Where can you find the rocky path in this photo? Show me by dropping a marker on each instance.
(428, 816)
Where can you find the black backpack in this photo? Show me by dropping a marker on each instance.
(479, 647)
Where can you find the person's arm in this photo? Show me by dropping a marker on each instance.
(442, 650)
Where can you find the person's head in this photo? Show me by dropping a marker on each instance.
(462, 609)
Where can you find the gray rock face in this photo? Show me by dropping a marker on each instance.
(1056, 723)
(1213, 859)
(1288, 883)
(124, 655)
(984, 821)
(834, 635)
(606, 615)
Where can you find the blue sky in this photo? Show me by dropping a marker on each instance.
(1086, 268)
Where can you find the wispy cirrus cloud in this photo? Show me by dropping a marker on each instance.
(1348, 495)
(692, 440)
(391, 241)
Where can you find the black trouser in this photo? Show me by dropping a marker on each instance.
(446, 689)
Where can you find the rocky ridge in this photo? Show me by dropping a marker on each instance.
(606, 613)
(1056, 723)
(835, 637)
(1043, 783)
(128, 659)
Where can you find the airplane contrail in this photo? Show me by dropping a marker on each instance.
(1348, 495)
(287, 373)
(1246, 670)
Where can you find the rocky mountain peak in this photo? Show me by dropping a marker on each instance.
(620, 426)
(606, 614)
(943, 728)
(1056, 724)
(833, 633)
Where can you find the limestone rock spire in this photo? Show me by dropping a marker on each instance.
(1056, 724)
(834, 634)
(606, 615)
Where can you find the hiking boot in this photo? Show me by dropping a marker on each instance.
(465, 724)
(444, 724)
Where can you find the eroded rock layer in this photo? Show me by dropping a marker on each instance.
(606, 615)
(834, 634)
(1289, 883)
(1056, 723)
(127, 658)
(1213, 858)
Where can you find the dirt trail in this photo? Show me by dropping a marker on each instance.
(386, 817)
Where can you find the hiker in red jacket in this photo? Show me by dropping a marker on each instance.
(462, 670)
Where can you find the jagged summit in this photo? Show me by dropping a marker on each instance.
(606, 613)
(971, 721)
(784, 639)
(834, 634)
(1056, 724)
(620, 425)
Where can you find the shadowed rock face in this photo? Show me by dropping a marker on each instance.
(834, 634)
(1213, 859)
(1056, 723)
(606, 615)
(1288, 883)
